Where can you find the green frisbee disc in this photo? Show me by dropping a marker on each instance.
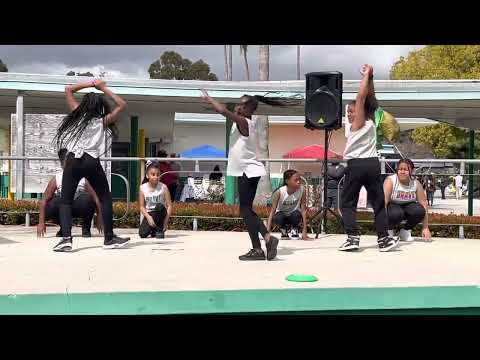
(301, 278)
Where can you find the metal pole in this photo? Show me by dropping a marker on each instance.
(20, 151)
(471, 150)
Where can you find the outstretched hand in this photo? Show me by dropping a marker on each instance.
(220, 108)
(366, 70)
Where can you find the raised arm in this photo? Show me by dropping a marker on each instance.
(360, 116)
(221, 109)
(71, 89)
(121, 104)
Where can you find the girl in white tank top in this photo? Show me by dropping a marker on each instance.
(243, 163)
(289, 206)
(155, 203)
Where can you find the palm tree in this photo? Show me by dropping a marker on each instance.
(243, 51)
(226, 61)
(230, 67)
(264, 191)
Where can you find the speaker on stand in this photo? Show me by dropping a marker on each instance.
(323, 111)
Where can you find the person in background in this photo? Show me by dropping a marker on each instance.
(289, 207)
(170, 179)
(84, 204)
(442, 184)
(430, 188)
(458, 185)
(335, 174)
(405, 200)
(176, 166)
(215, 176)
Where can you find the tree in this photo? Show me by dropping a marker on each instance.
(3, 67)
(71, 73)
(440, 62)
(172, 65)
(264, 192)
(298, 62)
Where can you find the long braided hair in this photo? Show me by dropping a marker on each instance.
(73, 126)
(271, 100)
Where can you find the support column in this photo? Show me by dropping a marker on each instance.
(147, 147)
(133, 165)
(20, 151)
(471, 151)
(141, 152)
(230, 181)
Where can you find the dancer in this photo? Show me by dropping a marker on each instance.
(243, 163)
(155, 203)
(84, 204)
(83, 132)
(405, 199)
(363, 167)
(289, 207)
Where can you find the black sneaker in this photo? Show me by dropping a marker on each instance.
(59, 233)
(160, 235)
(64, 246)
(351, 244)
(153, 233)
(284, 234)
(115, 242)
(294, 234)
(86, 233)
(387, 243)
(253, 255)
(271, 246)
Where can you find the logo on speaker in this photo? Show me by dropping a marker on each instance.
(321, 121)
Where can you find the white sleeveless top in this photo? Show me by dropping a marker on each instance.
(243, 155)
(91, 142)
(362, 143)
(153, 197)
(403, 194)
(58, 180)
(288, 203)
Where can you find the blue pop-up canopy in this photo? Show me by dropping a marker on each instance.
(203, 151)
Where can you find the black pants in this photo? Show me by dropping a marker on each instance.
(363, 172)
(89, 168)
(83, 207)
(172, 189)
(413, 213)
(247, 188)
(158, 216)
(443, 193)
(282, 220)
(430, 197)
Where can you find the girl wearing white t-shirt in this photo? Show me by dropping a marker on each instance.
(405, 200)
(289, 206)
(155, 203)
(243, 163)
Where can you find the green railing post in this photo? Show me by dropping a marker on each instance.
(471, 151)
(133, 165)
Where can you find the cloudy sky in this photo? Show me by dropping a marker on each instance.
(133, 61)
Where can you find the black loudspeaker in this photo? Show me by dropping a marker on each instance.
(323, 100)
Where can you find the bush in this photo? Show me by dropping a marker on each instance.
(226, 218)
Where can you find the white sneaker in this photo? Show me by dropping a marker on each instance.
(405, 235)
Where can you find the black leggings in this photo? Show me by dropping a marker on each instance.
(83, 207)
(158, 216)
(282, 220)
(414, 213)
(363, 172)
(247, 188)
(89, 168)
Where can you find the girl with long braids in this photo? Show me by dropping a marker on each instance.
(243, 163)
(84, 132)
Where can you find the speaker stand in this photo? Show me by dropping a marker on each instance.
(323, 210)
